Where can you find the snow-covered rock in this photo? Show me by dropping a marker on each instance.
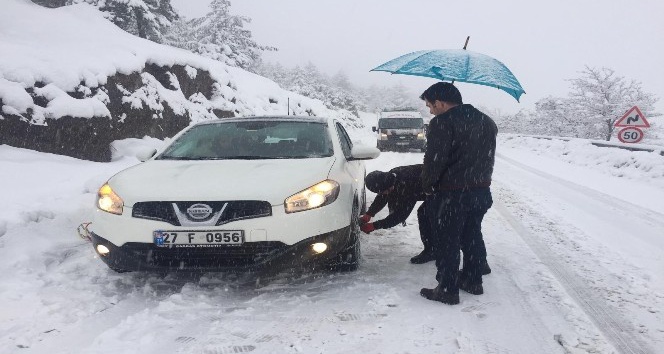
(71, 67)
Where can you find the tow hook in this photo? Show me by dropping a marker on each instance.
(83, 231)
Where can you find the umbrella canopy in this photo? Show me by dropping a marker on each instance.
(456, 65)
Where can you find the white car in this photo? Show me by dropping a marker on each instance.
(240, 194)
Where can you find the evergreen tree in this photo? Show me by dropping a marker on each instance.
(218, 35)
(148, 19)
(341, 80)
(310, 82)
(380, 98)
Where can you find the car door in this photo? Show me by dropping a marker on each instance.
(354, 169)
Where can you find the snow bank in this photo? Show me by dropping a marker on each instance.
(636, 165)
(62, 50)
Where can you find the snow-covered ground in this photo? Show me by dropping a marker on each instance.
(574, 240)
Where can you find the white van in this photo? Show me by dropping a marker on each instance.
(400, 130)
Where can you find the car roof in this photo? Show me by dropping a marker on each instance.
(308, 119)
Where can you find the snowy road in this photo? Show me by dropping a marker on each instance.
(597, 229)
(577, 267)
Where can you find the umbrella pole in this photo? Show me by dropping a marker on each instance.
(464, 48)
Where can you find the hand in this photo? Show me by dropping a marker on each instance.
(367, 228)
(365, 218)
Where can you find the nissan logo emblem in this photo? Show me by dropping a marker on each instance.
(199, 211)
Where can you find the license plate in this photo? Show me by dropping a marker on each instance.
(198, 239)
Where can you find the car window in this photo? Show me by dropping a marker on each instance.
(252, 139)
(346, 143)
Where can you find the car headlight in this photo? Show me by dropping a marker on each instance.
(383, 136)
(316, 196)
(108, 201)
(420, 136)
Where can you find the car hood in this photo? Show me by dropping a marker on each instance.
(268, 180)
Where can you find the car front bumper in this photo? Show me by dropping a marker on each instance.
(250, 256)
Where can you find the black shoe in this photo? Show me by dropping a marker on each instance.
(424, 257)
(486, 269)
(465, 285)
(436, 294)
(475, 289)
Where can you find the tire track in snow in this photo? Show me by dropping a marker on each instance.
(80, 335)
(616, 329)
(652, 216)
(219, 330)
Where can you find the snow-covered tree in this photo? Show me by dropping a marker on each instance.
(218, 35)
(340, 79)
(519, 123)
(599, 97)
(307, 80)
(553, 116)
(148, 19)
(393, 97)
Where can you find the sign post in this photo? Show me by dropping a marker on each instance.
(631, 122)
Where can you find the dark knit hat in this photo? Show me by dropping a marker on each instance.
(378, 181)
(442, 91)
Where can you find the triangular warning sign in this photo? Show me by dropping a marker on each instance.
(633, 118)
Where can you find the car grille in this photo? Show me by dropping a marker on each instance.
(401, 138)
(230, 211)
(236, 256)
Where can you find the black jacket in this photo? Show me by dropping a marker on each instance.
(461, 150)
(407, 191)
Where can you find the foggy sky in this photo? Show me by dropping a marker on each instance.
(543, 43)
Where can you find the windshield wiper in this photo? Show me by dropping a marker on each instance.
(189, 158)
(173, 158)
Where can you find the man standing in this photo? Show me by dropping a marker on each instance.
(458, 165)
(400, 189)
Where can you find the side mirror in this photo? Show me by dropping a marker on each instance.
(362, 152)
(145, 154)
(373, 129)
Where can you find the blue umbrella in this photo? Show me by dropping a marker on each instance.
(456, 65)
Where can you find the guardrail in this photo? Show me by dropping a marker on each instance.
(651, 148)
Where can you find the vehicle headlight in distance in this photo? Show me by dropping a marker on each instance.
(420, 136)
(108, 201)
(316, 196)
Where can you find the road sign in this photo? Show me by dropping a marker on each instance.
(633, 118)
(630, 135)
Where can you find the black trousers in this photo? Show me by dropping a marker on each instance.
(425, 227)
(456, 218)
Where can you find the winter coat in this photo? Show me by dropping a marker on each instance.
(402, 199)
(461, 149)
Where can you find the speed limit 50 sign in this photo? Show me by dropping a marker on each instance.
(630, 135)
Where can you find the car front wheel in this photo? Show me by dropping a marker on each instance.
(349, 259)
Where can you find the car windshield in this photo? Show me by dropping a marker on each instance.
(251, 140)
(400, 123)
